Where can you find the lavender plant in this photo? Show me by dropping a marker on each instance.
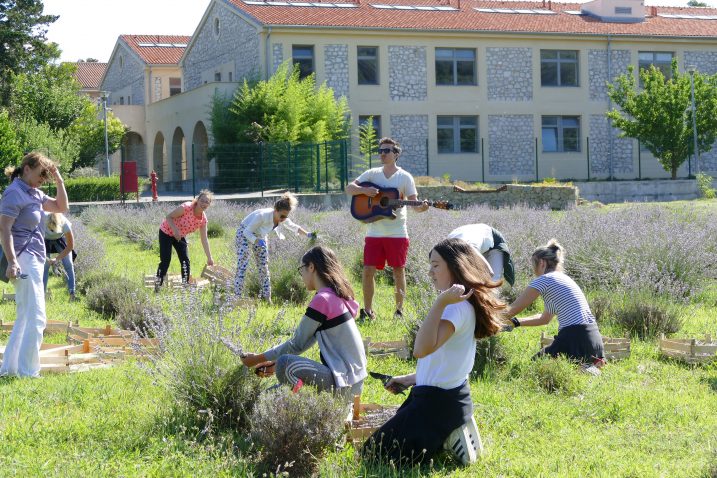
(294, 430)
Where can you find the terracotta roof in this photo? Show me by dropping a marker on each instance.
(89, 74)
(466, 18)
(158, 49)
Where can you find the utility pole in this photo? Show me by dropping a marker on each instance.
(107, 144)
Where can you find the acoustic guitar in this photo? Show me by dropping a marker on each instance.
(383, 205)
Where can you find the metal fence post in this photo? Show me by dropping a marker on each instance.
(639, 161)
(482, 160)
(428, 170)
(123, 152)
(326, 166)
(587, 149)
(537, 176)
(318, 167)
(261, 167)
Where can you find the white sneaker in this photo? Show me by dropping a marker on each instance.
(464, 443)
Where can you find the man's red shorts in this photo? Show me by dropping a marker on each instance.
(377, 251)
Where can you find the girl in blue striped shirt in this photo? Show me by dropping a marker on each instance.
(578, 335)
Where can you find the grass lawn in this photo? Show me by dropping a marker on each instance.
(643, 417)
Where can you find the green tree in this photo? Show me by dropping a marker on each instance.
(285, 108)
(23, 45)
(58, 145)
(367, 142)
(659, 114)
(89, 132)
(696, 3)
(10, 151)
(50, 96)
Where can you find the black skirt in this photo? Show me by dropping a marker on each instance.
(421, 425)
(581, 342)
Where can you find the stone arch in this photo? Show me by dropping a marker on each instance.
(179, 156)
(200, 140)
(159, 154)
(134, 150)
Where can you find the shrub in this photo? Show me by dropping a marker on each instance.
(290, 288)
(601, 307)
(646, 316)
(86, 189)
(120, 298)
(214, 229)
(86, 281)
(293, 430)
(201, 373)
(85, 172)
(556, 375)
(704, 184)
(490, 354)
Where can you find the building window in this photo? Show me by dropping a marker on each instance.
(367, 57)
(175, 86)
(121, 61)
(623, 10)
(303, 55)
(561, 134)
(231, 76)
(456, 66)
(376, 124)
(121, 100)
(661, 59)
(218, 76)
(457, 134)
(129, 99)
(216, 27)
(558, 68)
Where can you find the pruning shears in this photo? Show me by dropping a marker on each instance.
(397, 387)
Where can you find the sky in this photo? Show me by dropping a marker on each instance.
(89, 28)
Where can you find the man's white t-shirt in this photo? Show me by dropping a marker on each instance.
(449, 366)
(401, 180)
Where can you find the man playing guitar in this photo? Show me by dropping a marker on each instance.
(386, 240)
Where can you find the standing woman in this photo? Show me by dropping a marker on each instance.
(578, 335)
(439, 411)
(328, 320)
(59, 239)
(184, 220)
(253, 234)
(22, 243)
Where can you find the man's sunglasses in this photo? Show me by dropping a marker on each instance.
(386, 150)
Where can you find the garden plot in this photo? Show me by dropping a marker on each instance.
(614, 348)
(692, 351)
(174, 281)
(365, 418)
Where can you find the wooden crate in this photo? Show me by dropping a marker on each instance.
(51, 327)
(9, 296)
(689, 350)
(614, 348)
(218, 275)
(358, 425)
(174, 281)
(384, 349)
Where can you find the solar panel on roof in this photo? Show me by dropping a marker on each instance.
(686, 16)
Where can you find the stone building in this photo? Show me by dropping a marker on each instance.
(478, 90)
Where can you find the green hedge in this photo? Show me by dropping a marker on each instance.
(94, 189)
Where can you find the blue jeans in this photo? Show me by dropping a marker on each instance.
(69, 270)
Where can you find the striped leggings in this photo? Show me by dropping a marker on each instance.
(290, 368)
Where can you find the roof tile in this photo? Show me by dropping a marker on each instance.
(158, 49)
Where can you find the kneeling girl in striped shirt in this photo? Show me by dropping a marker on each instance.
(578, 335)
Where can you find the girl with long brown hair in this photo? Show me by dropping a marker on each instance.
(439, 412)
(328, 320)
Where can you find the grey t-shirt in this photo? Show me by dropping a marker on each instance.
(24, 204)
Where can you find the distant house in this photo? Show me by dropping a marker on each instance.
(480, 90)
(89, 74)
(142, 70)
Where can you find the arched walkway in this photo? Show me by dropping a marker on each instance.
(200, 140)
(179, 156)
(134, 150)
(159, 163)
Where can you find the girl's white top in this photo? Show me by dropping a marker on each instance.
(259, 223)
(449, 366)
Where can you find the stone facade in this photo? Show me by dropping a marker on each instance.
(597, 70)
(407, 73)
(336, 68)
(237, 42)
(131, 74)
(704, 61)
(412, 132)
(510, 74)
(277, 55)
(511, 145)
(622, 148)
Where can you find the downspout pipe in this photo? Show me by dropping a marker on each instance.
(267, 48)
(609, 107)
